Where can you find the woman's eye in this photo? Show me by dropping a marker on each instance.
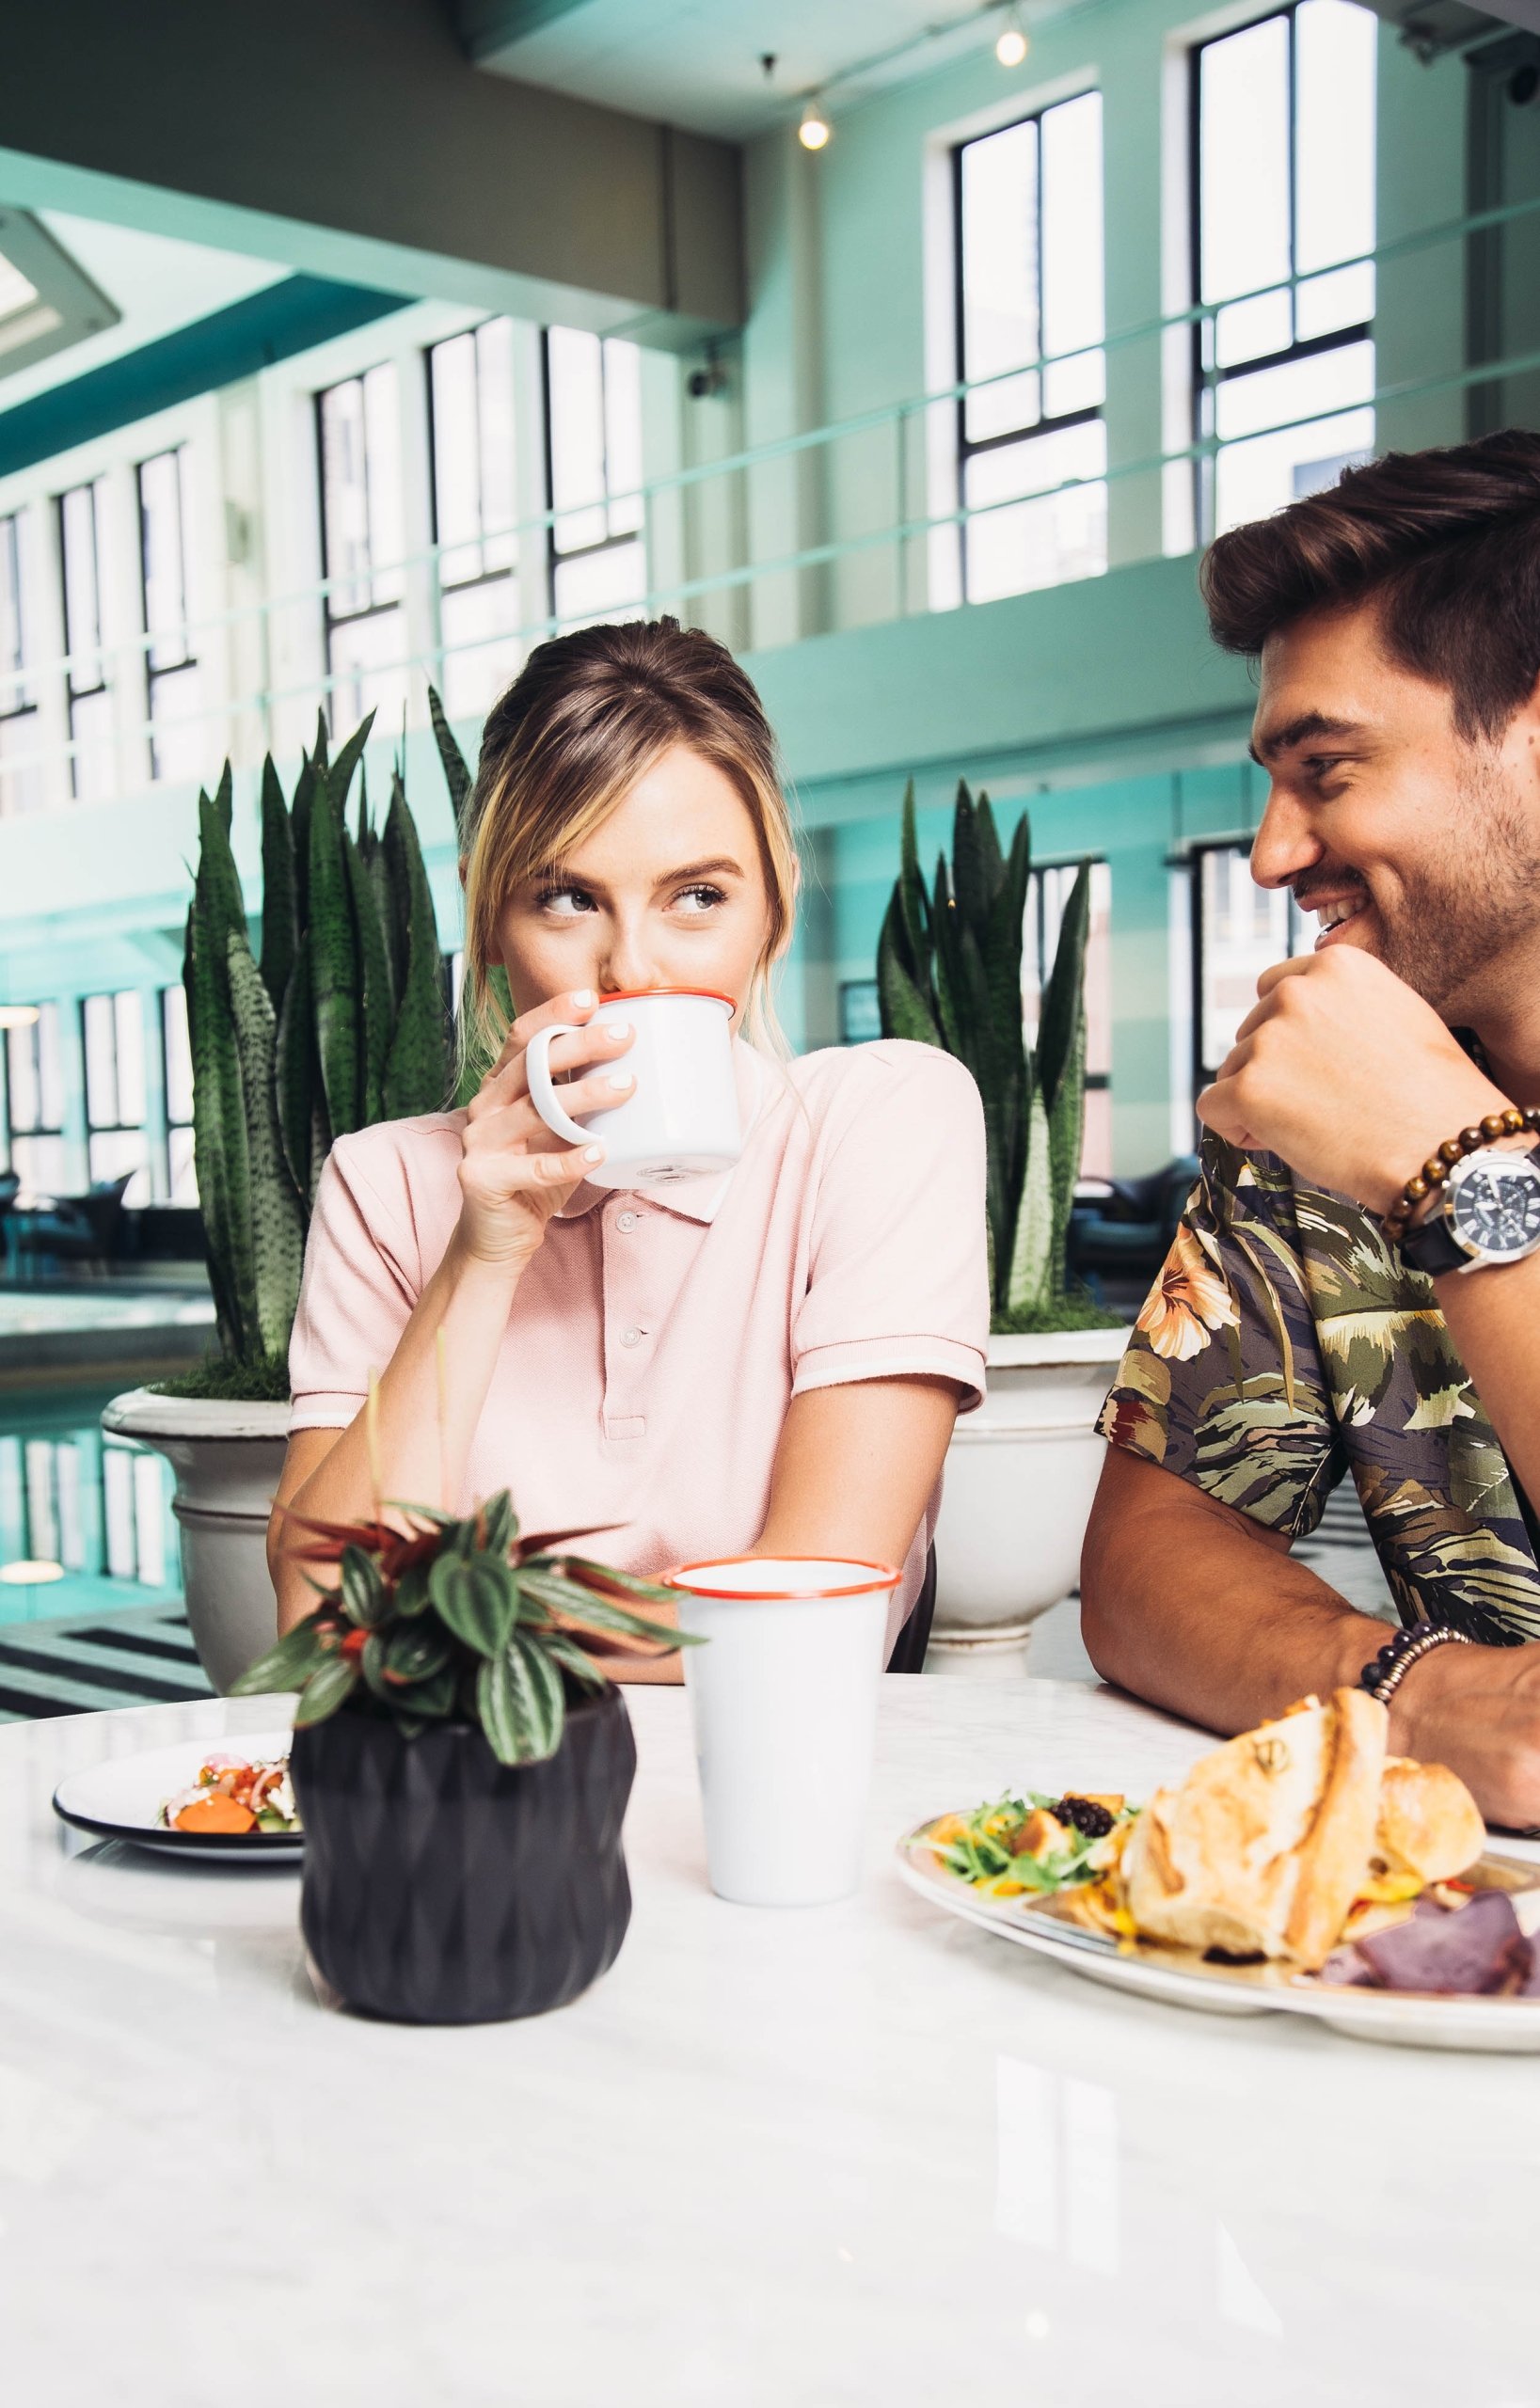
(701, 898)
(565, 902)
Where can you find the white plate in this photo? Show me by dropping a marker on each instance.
(1183, 1978)
(121, 1799)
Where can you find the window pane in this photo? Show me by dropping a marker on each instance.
(600, 585)
(368, 667)
(1243, 160)
(118, 1154)
(480, 655)
(344, 495)
(576, 405)
(179, 1060)
(23, 1086)
(101, 1062)
(22, 783)
(382, 446)
(82, 600)
(176, 718)
(1043, 541)
(1072, 308)
(1250, 329)
(163, 563)
(495, 395)
(178, 1146)
(1243, 929)
(129, 1016)
(1346, 297)
(90, 730)
(999, 244)
(16, 609)
(457, 450)
(43, 1165)
(621, 363)
(1334, 49)
(1257, 476)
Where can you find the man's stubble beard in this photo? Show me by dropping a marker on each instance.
(1463, 917)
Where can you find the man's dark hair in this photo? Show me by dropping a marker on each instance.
(1446, 545)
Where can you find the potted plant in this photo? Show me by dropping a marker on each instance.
(1020, 1471)
(340, 1020)
(461, 1764)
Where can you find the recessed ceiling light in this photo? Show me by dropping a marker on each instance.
(815, 129)
(19, 1014)
(30, 1572)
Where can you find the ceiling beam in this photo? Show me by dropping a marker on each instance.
(354, 140)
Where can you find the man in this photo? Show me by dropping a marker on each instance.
(1292, 1335)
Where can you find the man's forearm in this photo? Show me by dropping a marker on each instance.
(1187, 1603)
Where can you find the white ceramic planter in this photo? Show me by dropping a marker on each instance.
(227, 1459)
(1021, 1473)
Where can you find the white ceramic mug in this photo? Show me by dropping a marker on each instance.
(783, 1702)
(681, 1119)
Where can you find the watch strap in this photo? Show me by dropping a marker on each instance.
(1434, 1248)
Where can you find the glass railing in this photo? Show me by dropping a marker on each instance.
(869, 519)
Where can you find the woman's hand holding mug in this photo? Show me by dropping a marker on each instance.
(514, 1173)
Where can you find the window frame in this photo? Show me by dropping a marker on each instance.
(1205, 380)
(41, 1128)
(486, 541)
(969, 449)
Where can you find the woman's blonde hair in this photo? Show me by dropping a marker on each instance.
(585, 718)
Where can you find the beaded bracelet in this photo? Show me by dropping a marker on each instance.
(1509, 1123)
(1384, 1674)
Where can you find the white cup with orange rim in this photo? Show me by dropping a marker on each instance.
(783, 1702)
(681, 1119)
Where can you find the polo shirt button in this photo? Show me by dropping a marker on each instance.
(628, 1221)
(630, 1336)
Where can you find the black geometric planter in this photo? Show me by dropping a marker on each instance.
(443, 1886)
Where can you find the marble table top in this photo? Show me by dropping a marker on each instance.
(859, 2154)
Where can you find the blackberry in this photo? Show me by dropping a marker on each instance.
(1093, 1821)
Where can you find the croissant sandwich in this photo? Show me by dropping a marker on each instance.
(1265, 1846)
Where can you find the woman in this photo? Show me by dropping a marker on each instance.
(769, 1361)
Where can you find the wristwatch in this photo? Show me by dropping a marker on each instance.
(1488, 1211)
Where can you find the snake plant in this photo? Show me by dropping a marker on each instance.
(338, 1023)
(949, 973)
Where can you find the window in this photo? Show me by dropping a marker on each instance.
(358, 431)
(112, 1033)
(177, 1058)
(598, 567)
(172, 679)
(21, 777)
(1030, 323)
(35, 1102)
(86, 675)
(1048, 892)
(1283, 165)
(470, 392)
(1239, 930)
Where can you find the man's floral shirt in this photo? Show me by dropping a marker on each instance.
(1284, 1343)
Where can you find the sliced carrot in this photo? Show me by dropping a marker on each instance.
(215, 1812)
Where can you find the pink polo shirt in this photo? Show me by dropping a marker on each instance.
(659, 1334)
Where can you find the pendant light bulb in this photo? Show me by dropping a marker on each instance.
(814, 130)
(1012, 43)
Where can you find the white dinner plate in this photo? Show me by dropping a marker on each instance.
(121, 1799)
(1180, 1978)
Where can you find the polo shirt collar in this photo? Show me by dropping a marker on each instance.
(695, 1199)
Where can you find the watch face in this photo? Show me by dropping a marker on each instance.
(1495, 1209)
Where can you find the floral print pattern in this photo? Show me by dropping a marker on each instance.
(1284, 1344)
